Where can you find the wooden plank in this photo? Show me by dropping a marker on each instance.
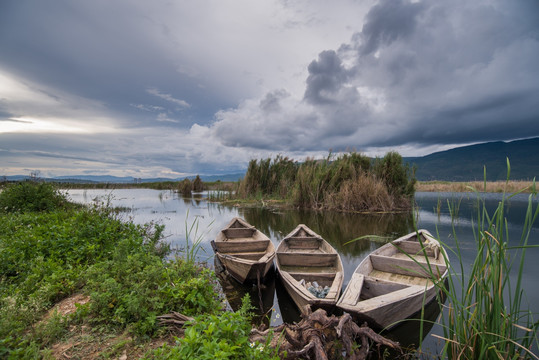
(306, 259)
(310, 275)
(413, 247)
(353, 290)
(375, 287)
(336, 287)
(234, 233)
(249, 255)
(301, 242)
(246, 245)
(404, 266)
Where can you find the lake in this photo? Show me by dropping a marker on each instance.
(432, 213)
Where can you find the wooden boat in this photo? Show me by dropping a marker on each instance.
(245, 252)
(303, 260)
(394, 282)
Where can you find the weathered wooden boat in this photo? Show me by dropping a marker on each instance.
(245, 252)
(395, 281)
(310, 269)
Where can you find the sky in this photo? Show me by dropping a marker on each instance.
(173, 88)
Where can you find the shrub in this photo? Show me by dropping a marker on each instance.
(198, 185)
(32, 196)
(399, 178)
(185, 187)
(224, 336)
(269, 177)
(366, 193)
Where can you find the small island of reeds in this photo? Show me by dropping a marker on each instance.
(348, 182)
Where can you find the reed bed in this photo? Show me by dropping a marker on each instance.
(349, 182)
(485, 312)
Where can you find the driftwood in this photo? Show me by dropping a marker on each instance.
(320, 337)
(317, 336)
(174, 321)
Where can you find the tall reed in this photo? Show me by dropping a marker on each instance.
(347, 182)
(193, 239)
(486, 316)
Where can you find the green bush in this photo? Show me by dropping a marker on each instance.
(135, 290)
(223, 336)
(399, 178)
(30, 196)
(269, 177)
(198, 185)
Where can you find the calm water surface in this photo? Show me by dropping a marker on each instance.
(175, 212)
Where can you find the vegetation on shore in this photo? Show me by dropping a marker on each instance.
(115, 275)
(349, 182)
(507, 187)
(485, 314)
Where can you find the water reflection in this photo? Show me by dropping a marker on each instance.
(261, 298)
(336, 228)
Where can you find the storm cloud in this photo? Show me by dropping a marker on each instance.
(178, 88)
(421, 73)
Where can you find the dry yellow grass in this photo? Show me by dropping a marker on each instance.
(457, 186)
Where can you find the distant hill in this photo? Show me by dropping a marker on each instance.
(466, 163)
(93, 179)
(460, 164)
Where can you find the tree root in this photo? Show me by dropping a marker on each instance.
(320, 337)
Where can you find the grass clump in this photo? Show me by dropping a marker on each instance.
(486, 316)
(350, 182)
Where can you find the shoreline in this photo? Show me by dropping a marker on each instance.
(511, 186)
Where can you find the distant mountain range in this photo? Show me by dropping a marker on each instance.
(93, 179)
(466, 163)
(459, 164)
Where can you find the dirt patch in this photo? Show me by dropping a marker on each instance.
(67, 306)
(88, 345)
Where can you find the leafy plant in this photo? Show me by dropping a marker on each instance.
(346, 183)
(217, 336)
(32, 196)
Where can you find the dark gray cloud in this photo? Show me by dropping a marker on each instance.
(418, 74)
(325, 78)
(178, 87)
(386, 22)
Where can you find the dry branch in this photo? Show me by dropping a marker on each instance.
(320, 337)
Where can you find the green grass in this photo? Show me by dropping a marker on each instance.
(487, 316)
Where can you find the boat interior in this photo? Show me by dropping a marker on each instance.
(401, 267)
(309, 259)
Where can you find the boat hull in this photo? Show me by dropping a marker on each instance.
(245, 252)
(394, 282)
(246, 271)
(303, 257)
